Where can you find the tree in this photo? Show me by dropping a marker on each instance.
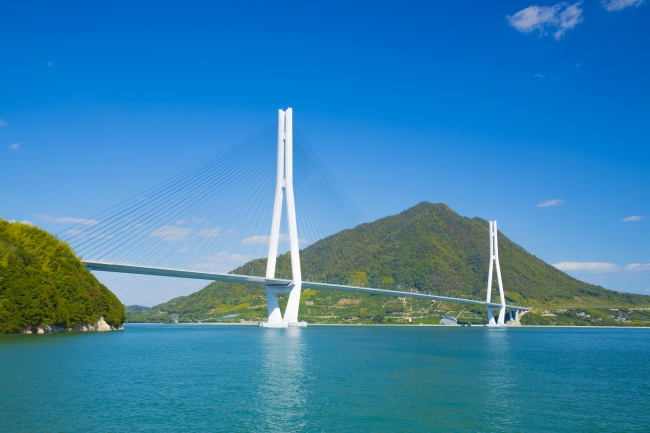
(358, 278)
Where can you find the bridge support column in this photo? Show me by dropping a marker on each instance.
(494, 262)
(284, 184)
(273, 307)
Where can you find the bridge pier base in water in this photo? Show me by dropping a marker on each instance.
(290, 319)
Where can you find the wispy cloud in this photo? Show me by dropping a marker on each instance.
(49, 64)
(587, 267)
(171, 233)
(2, 123)
(636, 267)
(261, 240)
(618, 5)
(26, 222)
(257, 240)
(14, 146)
(66, 220)
(222, 262)
(551, 202)
(211, 232)
(556, 19)
(539, 76)
(601, 267)
(632, 219)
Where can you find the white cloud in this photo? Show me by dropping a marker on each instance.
(49, 64)
(262, 240)
(257, 240)
(632, 218)
(551, 202)
(556, 19)
(2, 123)
(26, 222)
(171, 233)
(14, 146)
(638, 267)
(67, 220)
(587, 267)
(600, 267)
(618, 5)
(539, 76)
(185, 250)
(210, 233)
(222, 262)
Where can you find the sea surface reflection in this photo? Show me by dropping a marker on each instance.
(282, 380)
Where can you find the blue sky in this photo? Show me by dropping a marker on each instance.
(493, 109)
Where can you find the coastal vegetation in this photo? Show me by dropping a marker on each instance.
(43, 284)
(429, 249)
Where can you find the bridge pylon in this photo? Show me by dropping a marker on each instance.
(494, 262)
(284, 190)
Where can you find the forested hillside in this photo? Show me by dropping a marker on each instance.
(427, 248)
(43, 283)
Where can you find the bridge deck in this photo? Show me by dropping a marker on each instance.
(211, 276)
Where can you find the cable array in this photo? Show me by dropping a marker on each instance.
(216, 215)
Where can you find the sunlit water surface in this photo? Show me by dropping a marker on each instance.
(199, 378)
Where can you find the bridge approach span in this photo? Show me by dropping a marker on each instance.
(280, 285)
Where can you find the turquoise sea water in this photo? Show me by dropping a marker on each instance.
(199, 378)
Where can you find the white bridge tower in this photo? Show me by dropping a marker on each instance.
(494, 261)
(284, 185)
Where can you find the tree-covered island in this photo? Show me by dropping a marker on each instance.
(45, 288)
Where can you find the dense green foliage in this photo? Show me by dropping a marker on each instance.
(427, 248)
(43, 283)
(590, 316)
(431, 248)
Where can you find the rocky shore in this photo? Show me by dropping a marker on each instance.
(99, 326)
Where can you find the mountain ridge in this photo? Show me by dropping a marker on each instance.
(427, 248)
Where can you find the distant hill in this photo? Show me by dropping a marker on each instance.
(43, 285)
(427, 248)
(158, 313)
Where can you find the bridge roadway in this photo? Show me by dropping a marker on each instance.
(278, 283)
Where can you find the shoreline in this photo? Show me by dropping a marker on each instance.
(405, 326)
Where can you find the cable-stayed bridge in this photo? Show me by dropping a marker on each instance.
(245, 203)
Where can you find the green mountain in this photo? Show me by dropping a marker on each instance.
(43, 284)
(427, 248)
